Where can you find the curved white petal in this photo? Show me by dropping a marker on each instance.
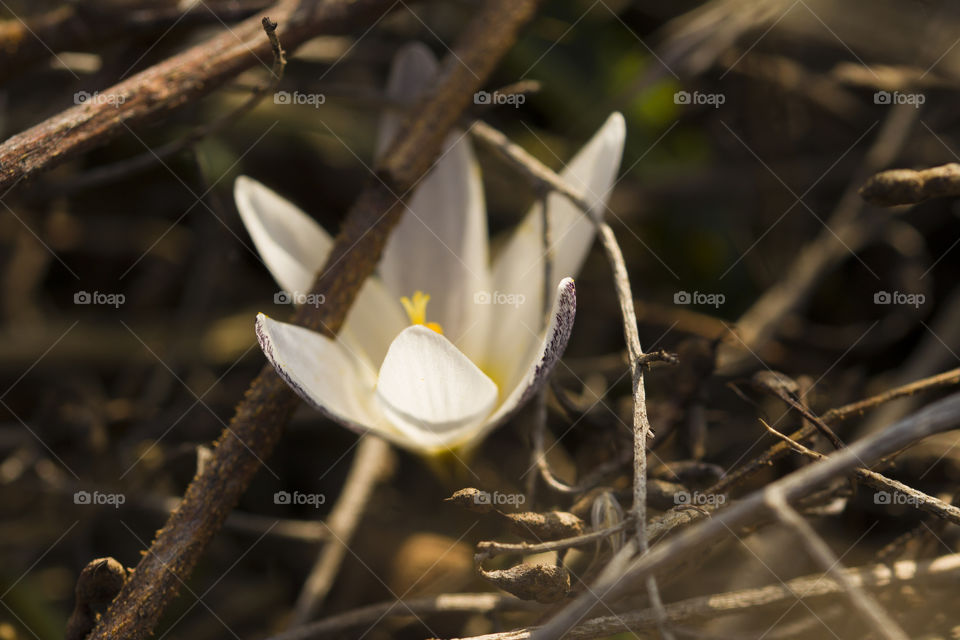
(539, 366)
(430, 391)
(326, 374)
(294, 247)
(518, 270)
(440, 245)
(291, 243)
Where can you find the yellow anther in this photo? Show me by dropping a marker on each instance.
(416, 309)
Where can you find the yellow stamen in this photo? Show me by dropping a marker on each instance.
(416, 309)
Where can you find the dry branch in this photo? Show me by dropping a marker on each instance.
(906, 186)
(754, 601)
(173, 83)
(268, 403)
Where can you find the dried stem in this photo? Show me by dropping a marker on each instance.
(755, 601)
(916, 498)
(946, 379)
(883, 624)
(906, 186)
(268, 403)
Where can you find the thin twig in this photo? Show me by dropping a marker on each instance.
(124, 168)
(818, 549)
(544, 177)
(490, 549)
(916, 498)
(770, 381)
(268, 404)
(946, 379)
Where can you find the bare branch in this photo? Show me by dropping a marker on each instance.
(906, 186)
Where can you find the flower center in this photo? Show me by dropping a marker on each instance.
(416, 309)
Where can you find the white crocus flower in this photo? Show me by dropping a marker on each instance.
(434, 377)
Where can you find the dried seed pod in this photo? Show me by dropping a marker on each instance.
(543, 527)
(544, 583)
(472, 499)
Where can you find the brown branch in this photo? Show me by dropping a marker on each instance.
(946, 379)
(916, 498)
(754, 601)
(268, 403)
(906, 186)
(173, 83)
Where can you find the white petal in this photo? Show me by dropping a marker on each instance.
(326, 374)
(411, 72)
(373, 321)
(551, 347)
(518, 270)
(430, 391)
(295, 248)
(440, 245)
(291, 243)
